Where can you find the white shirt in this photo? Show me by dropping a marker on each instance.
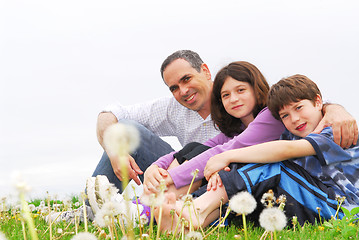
(166, 117)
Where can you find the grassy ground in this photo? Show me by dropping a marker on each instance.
(13, 227)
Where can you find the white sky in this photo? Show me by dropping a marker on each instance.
(61, 62)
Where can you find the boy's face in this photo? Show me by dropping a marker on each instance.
(301, 118)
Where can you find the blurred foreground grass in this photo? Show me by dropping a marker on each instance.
(13, 227)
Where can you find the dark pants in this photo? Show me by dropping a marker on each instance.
(304, 193)
(151, 148)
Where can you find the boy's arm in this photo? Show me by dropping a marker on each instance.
(268, 152)
(345, 128)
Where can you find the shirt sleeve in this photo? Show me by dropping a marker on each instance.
(155, 115)
(328, 152)
(165, 161)
(264, 128)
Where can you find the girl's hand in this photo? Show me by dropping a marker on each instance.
(214, 164)
(214, 181)
(152, 178)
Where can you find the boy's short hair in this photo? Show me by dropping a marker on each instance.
(289, 90)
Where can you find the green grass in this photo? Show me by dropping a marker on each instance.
(347, 228)
(13, 230)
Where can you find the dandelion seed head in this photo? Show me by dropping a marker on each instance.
(84, 236)
(194, 236)
(153, 200)
(120, 135)
(108, 211)
(282, 198)
(272, 219)
(112, 208)
(19, 182)
(268, 198)
(143, 220)
(32, 207)
(101, 219)
(194, 173)
(2, 236)
(243, 203)
(145, 236)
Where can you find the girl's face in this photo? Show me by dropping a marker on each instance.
(238, 99)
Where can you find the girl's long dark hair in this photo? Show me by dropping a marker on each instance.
(241, 71)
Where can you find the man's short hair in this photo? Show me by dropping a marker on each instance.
(289, 90)
(191, 57)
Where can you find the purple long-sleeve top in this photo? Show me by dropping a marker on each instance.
(263, 128)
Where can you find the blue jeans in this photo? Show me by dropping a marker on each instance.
(150, 149)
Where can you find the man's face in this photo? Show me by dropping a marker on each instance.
(301, 118)
(192, 89)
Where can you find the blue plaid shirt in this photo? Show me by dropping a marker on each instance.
(334, 166)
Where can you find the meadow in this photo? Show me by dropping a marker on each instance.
(15, 224)
(117, 216)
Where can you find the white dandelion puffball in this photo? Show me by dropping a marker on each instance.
(84, 236)
(272, 219)
(118, 136)
(2, 236)
(243, 203)
(194, 236)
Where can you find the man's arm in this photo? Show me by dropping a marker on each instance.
(268, 152)
(345, 128)
(104, 120)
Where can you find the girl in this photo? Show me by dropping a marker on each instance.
(238, 107)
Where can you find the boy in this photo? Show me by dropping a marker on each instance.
(317, 171)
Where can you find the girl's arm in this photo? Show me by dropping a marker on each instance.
(269, 152)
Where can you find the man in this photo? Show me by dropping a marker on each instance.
(186, 115)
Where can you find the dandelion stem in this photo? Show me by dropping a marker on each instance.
(123, 151)
(159, 224)
(84, 209)
(23, 229)
(341, 200)
(197, 217)
(219, 223)
(151, 221)
(27, 216)
(245, 226)
(138, 212)
(50, 220)
(176, 228)
(194, 177)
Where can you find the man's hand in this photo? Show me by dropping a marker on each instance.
(132, 168)
(214, 165)
(153, 176)
(345, 128)
(214, 181)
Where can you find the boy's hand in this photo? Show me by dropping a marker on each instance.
(345, 128)
(153, 176)
(214, 164)
(214, 181)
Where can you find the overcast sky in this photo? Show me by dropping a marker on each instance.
(62, 62)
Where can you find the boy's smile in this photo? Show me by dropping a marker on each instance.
(302, 117)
